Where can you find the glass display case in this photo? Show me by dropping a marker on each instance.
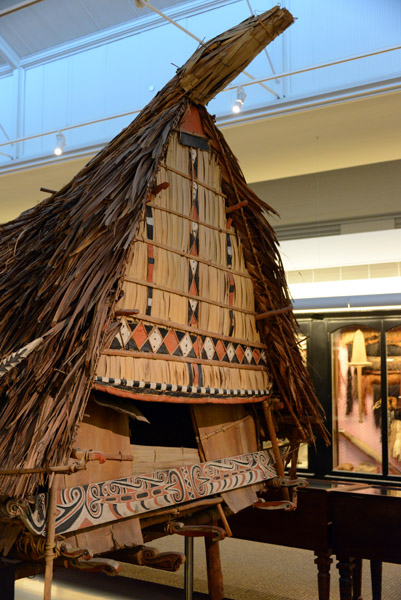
(393, 363)
(355, 362)
(302, 462)
(356, 391)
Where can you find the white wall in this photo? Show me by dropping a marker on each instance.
(115, 77)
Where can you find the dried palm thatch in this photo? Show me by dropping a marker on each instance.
(62, 265)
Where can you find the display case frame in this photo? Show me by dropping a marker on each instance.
(319, 327)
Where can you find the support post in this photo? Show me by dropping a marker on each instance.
(214, 571)
(189, 568)
(275, 446)
(50, 543)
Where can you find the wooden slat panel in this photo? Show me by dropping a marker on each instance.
(238, 439)
(154, 458)
(108, 431)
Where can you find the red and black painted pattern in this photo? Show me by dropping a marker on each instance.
(93, 504)
(173, 342)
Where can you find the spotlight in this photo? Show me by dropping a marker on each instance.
(60, 144)
(241, 95)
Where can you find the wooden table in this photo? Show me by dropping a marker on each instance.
(366, 524)
(351, 521)
(308, 527)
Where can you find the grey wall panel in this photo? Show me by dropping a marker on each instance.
(333, 198)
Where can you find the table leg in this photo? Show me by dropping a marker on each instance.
(345, 566)
(7, 576)
(357, 580)
(376, 579)
(323, 562)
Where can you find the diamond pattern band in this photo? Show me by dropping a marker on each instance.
(138, 336)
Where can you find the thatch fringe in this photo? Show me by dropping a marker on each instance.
(62, 265)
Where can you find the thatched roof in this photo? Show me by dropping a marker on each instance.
(63, 260)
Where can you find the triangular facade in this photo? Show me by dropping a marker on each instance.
(145, 317)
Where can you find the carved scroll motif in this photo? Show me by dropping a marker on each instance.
(93, 504)
(151, 557)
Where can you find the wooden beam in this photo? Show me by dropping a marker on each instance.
(214, 570)
(271, 313)
(183, 359)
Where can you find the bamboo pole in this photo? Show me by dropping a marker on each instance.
(189, 177)
(275, 447)
(66, 470)
(235, 207)
(126, 312)
(50, 542)
(189, 218)
(199, 259)
(196, 330)
(271, 313)
(159, 516)
(181, 293)
(92, 455)
(183, 359)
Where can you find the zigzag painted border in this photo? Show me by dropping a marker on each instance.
(180, 389)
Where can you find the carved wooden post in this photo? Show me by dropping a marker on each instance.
(323, 562)
(357, 580)
(214, 571)
(345, 566)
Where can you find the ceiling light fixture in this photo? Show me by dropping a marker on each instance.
(60, 144)
(241, 95)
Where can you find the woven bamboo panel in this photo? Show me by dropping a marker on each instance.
(188, 267)
(148, 459)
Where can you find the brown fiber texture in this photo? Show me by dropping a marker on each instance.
(62, 263)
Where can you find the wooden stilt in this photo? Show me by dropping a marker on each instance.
(50, 544)
(224, 521)
(275, 447)
(189, 568)
(214, 571)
